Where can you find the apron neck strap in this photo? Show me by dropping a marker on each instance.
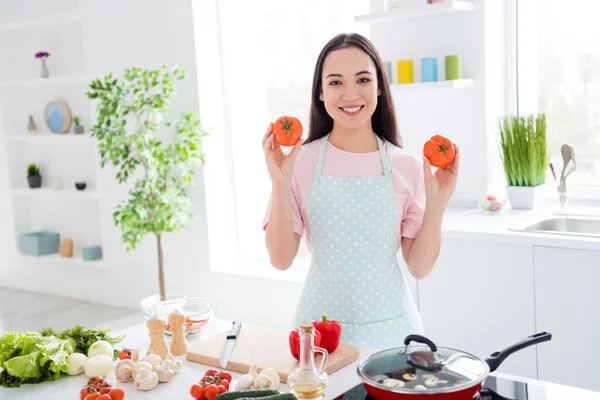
(385, 159)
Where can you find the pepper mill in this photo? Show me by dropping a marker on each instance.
(156, 328)
(178, 341)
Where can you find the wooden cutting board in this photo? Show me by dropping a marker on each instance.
(265, 348)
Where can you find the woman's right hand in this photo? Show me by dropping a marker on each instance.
(279, 165)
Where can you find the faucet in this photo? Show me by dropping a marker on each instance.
(568, 155)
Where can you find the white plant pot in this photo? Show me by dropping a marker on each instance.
(523, 197)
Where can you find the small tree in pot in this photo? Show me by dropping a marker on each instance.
(129, 114)
(34, 179)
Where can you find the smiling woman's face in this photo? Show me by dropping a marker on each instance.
(350, 87)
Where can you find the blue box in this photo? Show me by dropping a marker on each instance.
(92, 253)
(39, 243)
(429, 71)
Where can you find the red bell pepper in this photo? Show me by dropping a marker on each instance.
(294, 339)
(331, 333)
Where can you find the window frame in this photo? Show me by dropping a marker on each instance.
(521, 90)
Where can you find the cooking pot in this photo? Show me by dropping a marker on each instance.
(426, 371)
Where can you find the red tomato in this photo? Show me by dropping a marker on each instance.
(225, 383)
(197, 391)
(85, 391)
(211, 392)
(439, 151)
(222, 389)
(225, 375)
(92, 396)
(211, 372)
(287, 130)
(103, 397)
(117, 394)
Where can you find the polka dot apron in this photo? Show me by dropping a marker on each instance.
(354, 275)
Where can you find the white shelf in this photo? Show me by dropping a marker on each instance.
(53, 193)
(53, 80)
(418, 11)
(58, 259)
(49, 138)
(453, 84)
(40, 23)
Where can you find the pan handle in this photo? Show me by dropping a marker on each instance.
(420, 339)
(495, 359)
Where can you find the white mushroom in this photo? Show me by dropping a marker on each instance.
(420, 387)
(263, 382)
(273, 375)
(139, 365)
(153, 359)
(245, 382)
(165, 374)
(145, 379)
(135, 356)
(393, 383)
(124, 370)
(409, 376)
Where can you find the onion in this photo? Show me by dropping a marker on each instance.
(98, 365)
(100, 347)
(75, 363)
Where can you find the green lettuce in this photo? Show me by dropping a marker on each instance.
(31, 357)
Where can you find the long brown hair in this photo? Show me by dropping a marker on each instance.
(383, 120)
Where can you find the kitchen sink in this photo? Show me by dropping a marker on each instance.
(563, 225)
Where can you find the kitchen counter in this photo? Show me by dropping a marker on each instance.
(68, 387)
(343, 384)
(473, 224)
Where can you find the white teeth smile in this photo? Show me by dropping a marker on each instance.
(351, 110)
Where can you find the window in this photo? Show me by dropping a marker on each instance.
(559, 74)
(267, 50)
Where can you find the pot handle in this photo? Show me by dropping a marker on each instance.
(495, 359)
(420, 339)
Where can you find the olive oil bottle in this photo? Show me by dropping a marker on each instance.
(307, 381)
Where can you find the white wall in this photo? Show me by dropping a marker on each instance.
(161, 32)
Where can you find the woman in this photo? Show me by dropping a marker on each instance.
(357, 197)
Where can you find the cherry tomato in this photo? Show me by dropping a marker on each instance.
(92, 396)
(222, 389)
(211, 392)
(104, 397)
(117, 394)
(197, 391)
(225, 375)
(85, 391)
(225, 383)
(211, 372)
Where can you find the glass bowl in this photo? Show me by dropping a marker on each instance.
(199, 311)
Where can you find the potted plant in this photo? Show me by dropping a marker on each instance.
(129, 113)
(77, 128)
(43, 55)
(34, 179)
(524, 156)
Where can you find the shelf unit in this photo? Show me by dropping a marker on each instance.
(453, 84)
(419, 10)
(65, 157)
(76, 260)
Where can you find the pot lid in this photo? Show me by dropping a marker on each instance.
(422, 367)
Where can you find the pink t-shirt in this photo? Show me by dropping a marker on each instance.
(407, 180)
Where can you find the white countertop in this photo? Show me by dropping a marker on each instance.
(68, 387)
(473, 224)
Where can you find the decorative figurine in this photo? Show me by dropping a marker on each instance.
(66, 248)
(31, 126)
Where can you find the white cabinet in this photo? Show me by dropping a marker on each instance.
(568, 306)
(479, 298)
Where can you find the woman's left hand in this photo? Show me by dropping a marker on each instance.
(440, 186)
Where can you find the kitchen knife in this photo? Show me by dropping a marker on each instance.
(229, 343)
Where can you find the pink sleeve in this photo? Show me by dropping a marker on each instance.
(414, 213)
(297, 222)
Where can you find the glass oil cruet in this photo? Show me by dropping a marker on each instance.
(307, 381)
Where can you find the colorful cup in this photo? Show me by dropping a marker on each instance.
(453, 67)
(429, 71)
(405, 71)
